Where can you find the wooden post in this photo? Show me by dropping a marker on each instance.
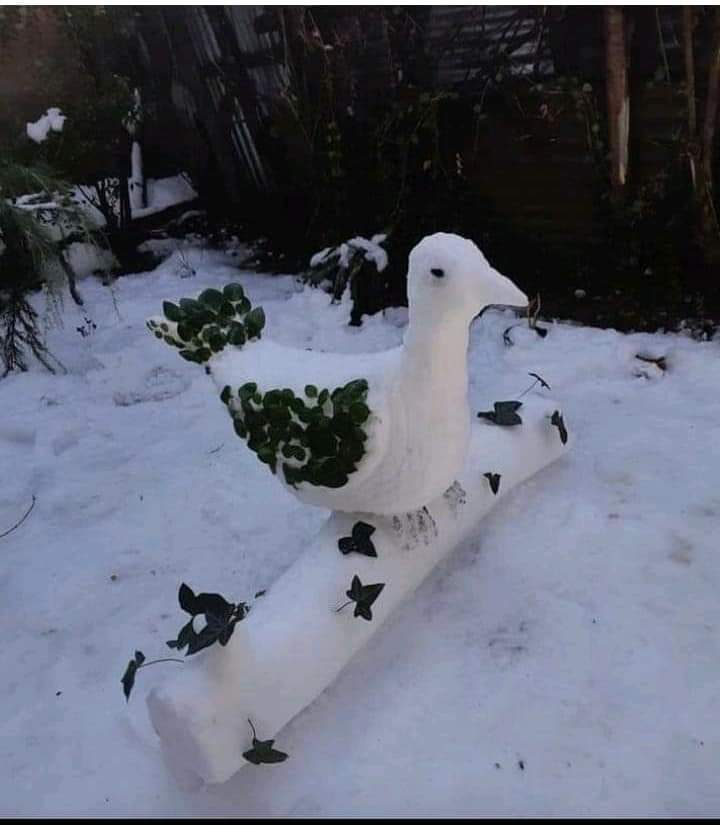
(618, 98)
(711, 103)
(710, 227)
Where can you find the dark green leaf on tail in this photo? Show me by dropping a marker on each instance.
(364, 595)
(128, 679)
(220, 615)
(504, 414)
(543, 383)
(262, 752)
(359, 541)
(557, 421)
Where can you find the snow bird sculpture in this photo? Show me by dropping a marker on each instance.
(378, 433)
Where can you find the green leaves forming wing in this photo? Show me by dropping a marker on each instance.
(318, 438)
(201, 327)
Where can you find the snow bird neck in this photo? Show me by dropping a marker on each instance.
(435, 337)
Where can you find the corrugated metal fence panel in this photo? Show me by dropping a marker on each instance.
(469, 41)
(260, 41)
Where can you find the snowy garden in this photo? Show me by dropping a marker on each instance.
(268, 549)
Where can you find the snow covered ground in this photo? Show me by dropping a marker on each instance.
(566, 661)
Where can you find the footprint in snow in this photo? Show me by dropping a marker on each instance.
(159, 384)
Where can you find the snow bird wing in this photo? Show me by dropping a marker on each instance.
(305, 414)
(202, 327)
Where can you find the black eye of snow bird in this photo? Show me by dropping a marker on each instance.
(438, 273)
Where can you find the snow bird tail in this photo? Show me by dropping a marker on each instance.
(202, 327)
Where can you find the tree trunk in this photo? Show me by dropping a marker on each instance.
(689, 55)
(618, 98)
(708, 214)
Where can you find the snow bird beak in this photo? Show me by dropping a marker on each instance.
(505, 293)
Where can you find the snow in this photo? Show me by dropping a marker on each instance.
(164, 193)
(201, 711)
(575, 632)
(52, 120)
(135, 181)
(321, 256)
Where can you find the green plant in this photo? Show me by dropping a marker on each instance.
(364, 596)
(39, 220)
(345, 263)
(359, 541)
(262, 752)
(199, 328)
(318, 439)
(220, 617)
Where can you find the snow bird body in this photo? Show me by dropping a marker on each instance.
(373, 433)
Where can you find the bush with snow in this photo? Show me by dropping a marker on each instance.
(340, 265)
(52, 120)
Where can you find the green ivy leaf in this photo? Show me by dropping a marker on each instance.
(234, 292)
(220, 615)
(364, 595)
(189, 306)
(262, 752)
(359, 412)
(226, 311)
(247, 391)
(543, 383)
(254, 322)
(172, 311)
(236, 334)
(185, 331)
(190, 355)
(557, 421)
(311, 391)
(359, 541)
(211, 298)
(128, 679)
(504, 414)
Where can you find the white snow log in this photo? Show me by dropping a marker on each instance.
(293, 644)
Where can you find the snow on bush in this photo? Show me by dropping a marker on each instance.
(53, 120)
(340, 264)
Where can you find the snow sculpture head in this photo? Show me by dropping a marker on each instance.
(449, 275)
